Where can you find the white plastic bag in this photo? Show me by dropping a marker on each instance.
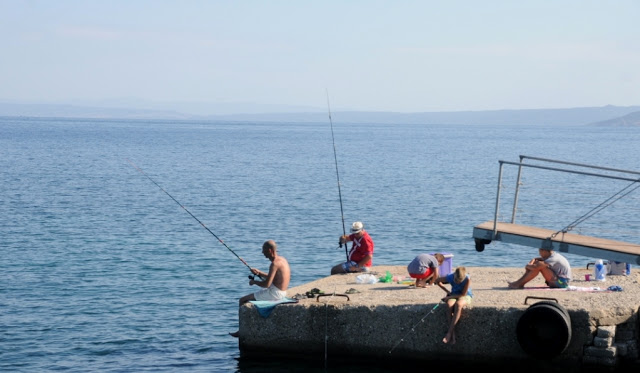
(366, 279)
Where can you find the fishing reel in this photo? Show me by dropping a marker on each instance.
(252, 277)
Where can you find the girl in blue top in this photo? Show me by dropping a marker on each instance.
(459, 296)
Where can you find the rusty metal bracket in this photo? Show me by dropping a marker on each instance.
(543, 298)
(331, 295)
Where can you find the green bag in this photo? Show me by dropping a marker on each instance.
(387, 278)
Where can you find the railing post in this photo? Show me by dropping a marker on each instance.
(515, 197)
(495, 217)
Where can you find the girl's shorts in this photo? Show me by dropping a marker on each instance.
(426, 274)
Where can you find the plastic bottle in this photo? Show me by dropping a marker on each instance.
(600, 270)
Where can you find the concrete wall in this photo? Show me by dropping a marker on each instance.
(395, 323)
(395, 332)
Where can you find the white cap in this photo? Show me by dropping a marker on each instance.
(357, 227)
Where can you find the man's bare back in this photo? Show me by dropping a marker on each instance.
(282, 272)
(279, 274)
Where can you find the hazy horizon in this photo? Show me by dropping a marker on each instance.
(224, 109)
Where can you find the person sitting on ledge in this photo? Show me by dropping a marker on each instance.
(456, 299)
(554, 268)
(361, 253)
(275, 282)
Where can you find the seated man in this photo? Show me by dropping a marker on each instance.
(361, 253)
(275, 282)
(554, 268)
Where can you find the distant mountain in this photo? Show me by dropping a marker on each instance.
(572, 116)
(75, 111)
(631, 119)
(606, 115)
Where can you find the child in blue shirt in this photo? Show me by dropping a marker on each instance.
(459, 296)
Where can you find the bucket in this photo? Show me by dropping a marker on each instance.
(544, 330)
(447, 266)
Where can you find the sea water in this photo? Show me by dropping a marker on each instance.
(103, 271)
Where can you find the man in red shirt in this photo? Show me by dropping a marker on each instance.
(361, 253)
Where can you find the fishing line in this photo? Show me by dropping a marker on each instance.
(193, 216)
(416, 324)
(326, 333)
(335, 157)
(326, 327)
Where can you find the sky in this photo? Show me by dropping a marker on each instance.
(291, 55)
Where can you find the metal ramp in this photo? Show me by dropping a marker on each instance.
(560, 241)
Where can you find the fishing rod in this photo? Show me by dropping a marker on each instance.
(193, 216)
(335, 157)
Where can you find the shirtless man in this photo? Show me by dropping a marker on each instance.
(275, 282)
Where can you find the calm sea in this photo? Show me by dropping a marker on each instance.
(103, 271)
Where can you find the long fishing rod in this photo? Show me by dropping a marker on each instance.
(193, 216)
(335, 157)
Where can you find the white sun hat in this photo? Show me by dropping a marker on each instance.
(357, 227)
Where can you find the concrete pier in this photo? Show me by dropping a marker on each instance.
(397, 322)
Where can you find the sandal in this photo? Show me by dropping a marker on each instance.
(313, 292)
